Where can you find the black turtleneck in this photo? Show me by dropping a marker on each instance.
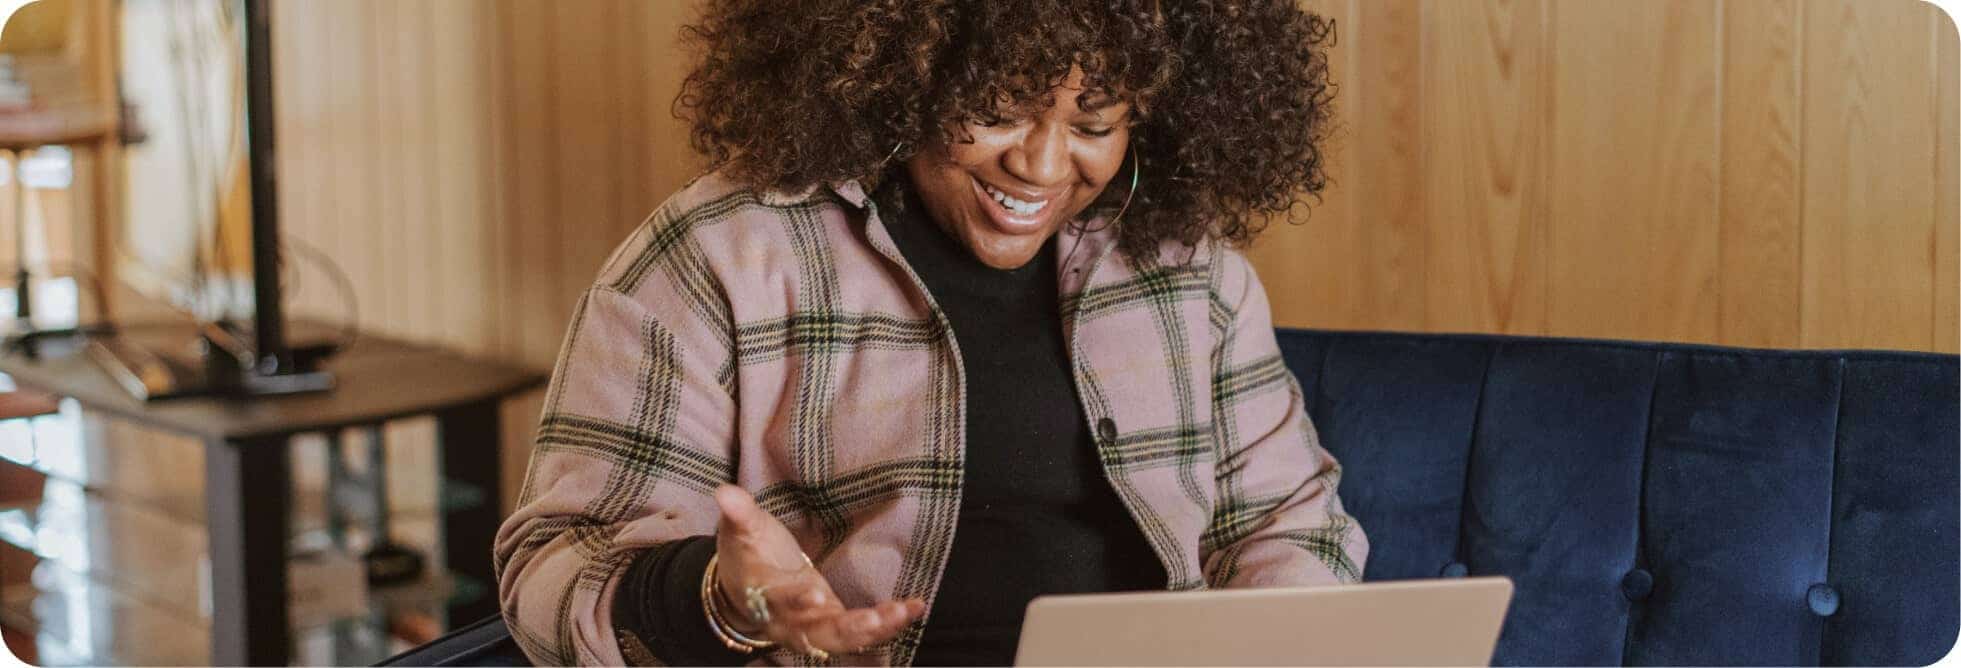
(1037, 515)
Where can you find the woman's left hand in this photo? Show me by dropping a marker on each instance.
(792, 604)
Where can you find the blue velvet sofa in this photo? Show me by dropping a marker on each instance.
(1655, 504)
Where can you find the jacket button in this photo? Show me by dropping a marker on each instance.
(1822, 599)
(1455, 569)
(1637, 584)
(1106, 429)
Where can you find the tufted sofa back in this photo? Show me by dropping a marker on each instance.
(1656, 503)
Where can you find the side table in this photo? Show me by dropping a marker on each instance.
(248, 467)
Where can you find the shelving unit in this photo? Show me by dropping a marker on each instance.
(179, 520)
(115, 569)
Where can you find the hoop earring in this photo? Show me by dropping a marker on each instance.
(1135, 169)
(1080, 230)
(889, 156)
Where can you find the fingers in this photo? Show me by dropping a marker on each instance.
(806, 614)
(768, 600)
(845, 631)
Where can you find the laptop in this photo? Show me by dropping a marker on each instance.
(1449, 622)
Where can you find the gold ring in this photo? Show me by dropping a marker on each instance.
(757, 602)
(811, 650)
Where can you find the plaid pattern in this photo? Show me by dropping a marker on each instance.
(781, 343)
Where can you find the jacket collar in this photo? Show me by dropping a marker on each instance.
(851, 192)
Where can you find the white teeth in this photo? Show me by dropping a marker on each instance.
(1015, 205)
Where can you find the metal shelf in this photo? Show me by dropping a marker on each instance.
(166, 472)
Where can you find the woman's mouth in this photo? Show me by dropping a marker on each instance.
(1015, 205)
(1009, 213)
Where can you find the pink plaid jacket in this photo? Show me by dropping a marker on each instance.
(781, 343)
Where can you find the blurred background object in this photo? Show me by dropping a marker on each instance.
(200, 530)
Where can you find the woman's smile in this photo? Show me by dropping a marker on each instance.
(1016, 212)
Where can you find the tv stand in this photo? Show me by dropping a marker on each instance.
(248, 464)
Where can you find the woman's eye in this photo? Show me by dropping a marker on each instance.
(1097, 132)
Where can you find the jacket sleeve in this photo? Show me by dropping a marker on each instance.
(637, 430)
(1276, 520)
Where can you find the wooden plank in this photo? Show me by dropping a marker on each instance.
(1308, 266)
(674, 162)
(498, 57)
(426, 279)
(303, 125)
(585, 172)
(1390, 122)
(1868, 185)
(464, 191)
(1947, 184)
(290, 124)
(1761, 227)
(344, 68)
(386, 88)
(1485, 109)
(501, 318)
(1634, 163)
(340, 172)
(635, 40)
(533, 265)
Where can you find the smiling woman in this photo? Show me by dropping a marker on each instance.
(1011, 183)
(904, 360)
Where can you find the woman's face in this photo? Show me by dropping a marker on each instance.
(1018, 182)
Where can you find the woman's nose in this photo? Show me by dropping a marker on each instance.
(1041, 159)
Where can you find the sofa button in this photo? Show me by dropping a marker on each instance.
(1637, 584)
(1822, 599)
(1455, 569)
(1106, 429)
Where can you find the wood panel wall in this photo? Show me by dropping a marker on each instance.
(469, 163)
(1748, 172)
(1774, 173)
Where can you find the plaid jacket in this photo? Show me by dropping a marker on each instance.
(781, 343)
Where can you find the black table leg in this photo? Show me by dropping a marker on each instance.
(470, 437)
(245, 497)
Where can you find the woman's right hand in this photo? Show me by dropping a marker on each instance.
(755, 550)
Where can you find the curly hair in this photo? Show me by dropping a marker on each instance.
(1232, 98)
